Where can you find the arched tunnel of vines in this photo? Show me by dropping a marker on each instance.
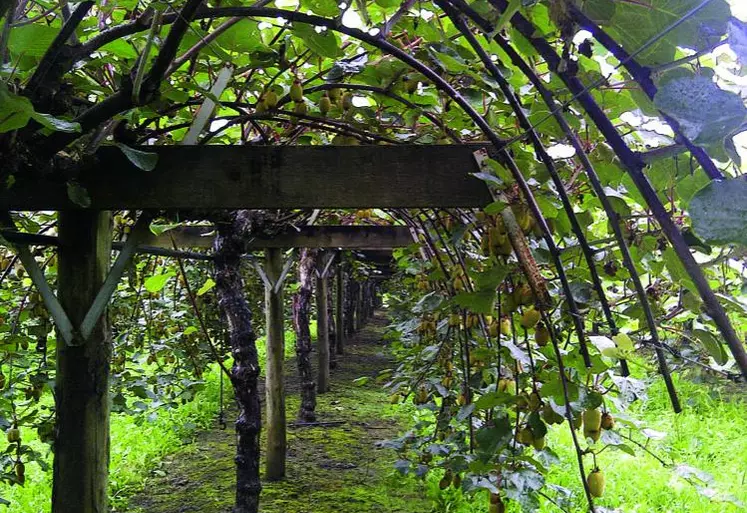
(302, 256)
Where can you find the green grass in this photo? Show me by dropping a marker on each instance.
(710, 435)
(137, 444)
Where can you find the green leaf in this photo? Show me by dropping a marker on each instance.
(480, 301)
(206, 287)
(120, 48)
(157, 282)
(624, 342)
(143, 160)
(57, 124)
(719, 212)
(244, 36)
(325, 43)
(738, 39)
(322, 7)
(677, 270)
(705, 112)
(158, 229)
(712, 345)
(31, 40)
(592, 400)
(15, 111)
(78, 194)
(539, 429)
(636, 23)
(495, 208)
(600, 11)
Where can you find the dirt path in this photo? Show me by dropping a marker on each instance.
(335, 468)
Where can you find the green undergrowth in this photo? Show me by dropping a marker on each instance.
(339, 469)
(708, 436)
(331, 468)
(138, 444)
(708, 440)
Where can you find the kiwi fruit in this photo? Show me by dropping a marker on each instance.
(608, 421)
(14, 435)
(296, 91)
(530, 318)
(595, 481)
(592, 420)
(542, 335)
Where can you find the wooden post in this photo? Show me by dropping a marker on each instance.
(340, 331)
(81, 455)
(359, 307)
(274, 377)
(322, 330)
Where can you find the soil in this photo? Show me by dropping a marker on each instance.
(335, 466)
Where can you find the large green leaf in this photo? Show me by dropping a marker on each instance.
(31, 40)
(322, 7)
(719, 212)
(634, 23)
(712, 345)
(705, 112)
(15, 111)
(244, 36)
(142, 159)
(324, 43)
(738, 39)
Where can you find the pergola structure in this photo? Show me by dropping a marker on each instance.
(209, 179)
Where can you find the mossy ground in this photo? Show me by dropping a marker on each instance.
(330, 468)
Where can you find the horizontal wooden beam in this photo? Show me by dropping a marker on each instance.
(344, 237)
(273, 177)
(359, 237)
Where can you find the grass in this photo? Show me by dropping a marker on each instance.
(136, 444)
(710, 435)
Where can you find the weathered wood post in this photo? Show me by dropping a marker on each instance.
(274, 377)
(81, 455)
(331, 326)
(358, 306)
(339, 308)
(322, 330)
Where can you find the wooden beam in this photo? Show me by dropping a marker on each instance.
(283, 177)
(345, 237)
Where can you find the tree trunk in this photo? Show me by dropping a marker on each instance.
(274, 375)
(301, 316)
(339, 308)
(322, 330)
(81, 449)
(229, 246)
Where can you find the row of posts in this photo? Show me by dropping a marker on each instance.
(353, 303)
(81, 463)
